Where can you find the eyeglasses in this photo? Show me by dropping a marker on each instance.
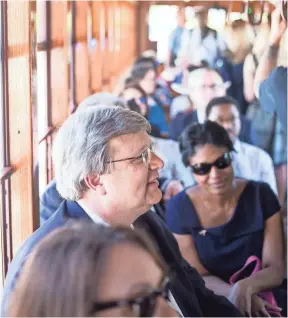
(221, 163)
(145, 156)
(142, 306)
(212, 87)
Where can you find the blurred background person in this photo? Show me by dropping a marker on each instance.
(175, 39)
(145, 76)
(270, 85)
(203, 84)
(201, 43)
(239, 37)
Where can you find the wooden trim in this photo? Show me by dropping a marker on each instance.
(6, 173)
(5, 183)
(34, 119)
(47, 134)
(72, 80)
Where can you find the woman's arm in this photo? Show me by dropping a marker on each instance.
(248, 78)
(188, 251)
(273, 270)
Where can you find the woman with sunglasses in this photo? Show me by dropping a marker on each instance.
(222, 221)
(90, 270)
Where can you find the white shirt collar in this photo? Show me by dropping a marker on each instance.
(93, 216)
(237, 145)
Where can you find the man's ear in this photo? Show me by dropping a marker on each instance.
(93, 182)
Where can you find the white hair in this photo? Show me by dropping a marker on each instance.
(81, 145)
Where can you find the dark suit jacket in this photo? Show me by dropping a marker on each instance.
(51, 200)
(188, 288)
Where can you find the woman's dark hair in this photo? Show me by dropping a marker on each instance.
(196, 136)
(146, 60)
(142, 92)
(140, 70)
(221, 101)
(61, 276)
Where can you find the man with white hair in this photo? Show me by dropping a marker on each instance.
(203, 85)
(107, 173)
(51, 200)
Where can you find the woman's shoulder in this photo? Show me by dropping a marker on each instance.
(193, 191)
(183, 198)
(249, 187)
(259, 192)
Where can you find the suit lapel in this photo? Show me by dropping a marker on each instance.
(74, 211)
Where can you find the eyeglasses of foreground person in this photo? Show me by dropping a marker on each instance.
(92, 270)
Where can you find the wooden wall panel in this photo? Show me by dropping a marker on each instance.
(59, 62)
(59, 86)
(20, 120)
(82, 68)
(102, 48)
(96, 49)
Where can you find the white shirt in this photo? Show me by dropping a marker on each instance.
(196, 49)
(179, 104)
(98, 220)
(249, 162)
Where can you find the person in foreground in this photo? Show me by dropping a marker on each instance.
(223, 221)
(121, 275)
(107, 173)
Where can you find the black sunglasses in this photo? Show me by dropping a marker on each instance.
(221, 163)
(142, 306)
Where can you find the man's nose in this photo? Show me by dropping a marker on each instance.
(156, 162)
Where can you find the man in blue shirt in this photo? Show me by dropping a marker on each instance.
(175, 40)
(270, 80)
(270, 87)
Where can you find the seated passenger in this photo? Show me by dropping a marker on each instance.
(107, 173)
(204, 84)
(162, 92)
(222, 221)
(51, 200)
(249, 162)
(122, 276)
(145, 77)
(135, 92)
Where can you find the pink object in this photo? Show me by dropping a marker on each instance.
(267, 295)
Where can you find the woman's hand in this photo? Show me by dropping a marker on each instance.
(241, 297)
(260, 306)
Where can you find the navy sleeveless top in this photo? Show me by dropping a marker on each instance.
(224, 249)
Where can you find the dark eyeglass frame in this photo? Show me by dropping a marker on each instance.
(142, 306)
(222, 162)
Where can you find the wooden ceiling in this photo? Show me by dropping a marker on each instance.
(232, 6)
